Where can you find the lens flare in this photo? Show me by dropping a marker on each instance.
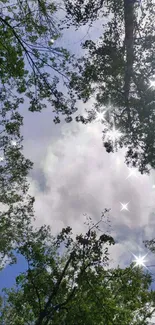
(13, 143)
(132, 172)
(140, 260)
(152, 83)
(100, 116)
(124, 206)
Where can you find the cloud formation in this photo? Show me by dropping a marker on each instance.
(76, 176)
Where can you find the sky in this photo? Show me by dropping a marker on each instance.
(73, 175)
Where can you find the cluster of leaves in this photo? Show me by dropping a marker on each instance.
(117, 70)
(13, 174)
(30, 67)
(30, 63)
(81, 11)
(74, 287)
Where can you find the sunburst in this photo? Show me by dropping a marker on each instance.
(113, 134)
(140, 260)
(124, 206)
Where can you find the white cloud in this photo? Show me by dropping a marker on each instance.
(80, 177)
(74, 175)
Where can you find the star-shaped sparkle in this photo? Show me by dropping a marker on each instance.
(152, 83)
(114, 134)
(124, 206)
(13, 143)
(1, 158)
(132, 173)
(99, 116)
(139, 260)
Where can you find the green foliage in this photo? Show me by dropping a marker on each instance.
(16, 205)
(31, 64)
(80, 11)
(117, 71)
(75, 287)
(13, 182)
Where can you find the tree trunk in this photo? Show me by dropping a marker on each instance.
(129, 44)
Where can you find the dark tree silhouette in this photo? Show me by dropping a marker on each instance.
(118, 70)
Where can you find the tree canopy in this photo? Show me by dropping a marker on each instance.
(31, 66)
(119, 71)
(75, 287)
(30, 62)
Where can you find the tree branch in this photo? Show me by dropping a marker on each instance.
(36, 289)
(44, 313)
(129, 42)
(62, 305)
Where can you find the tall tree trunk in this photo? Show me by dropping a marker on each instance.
(129, 47)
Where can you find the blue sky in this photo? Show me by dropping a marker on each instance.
(10, 272)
